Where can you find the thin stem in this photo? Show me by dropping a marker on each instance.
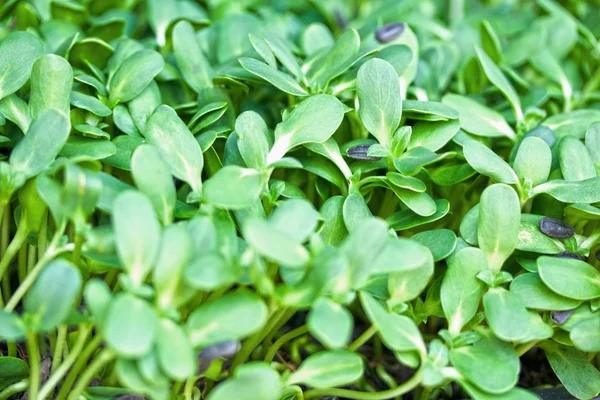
(22, 262)
(188, 390)
(58, 348)
(12, 348)
(293, 390)
(13, 389)
(34, 365)
(33, 274)
(43, 236)
(524, 348)
(31, 257)
(364, 338)
(61, 371)
(426, 393)
(284, 339)
(13, 247)
(77, 250)
(251, 343)
(79, 365)
(383, 395)
(103, 358)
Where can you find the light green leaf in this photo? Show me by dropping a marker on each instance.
(18, 52)
(250, 381)
(45, 138)
(51, 82)
(461, 291)
(586, 334)
(486, 162)
(505, 314)
(152, 176)
(130, 326)
(380, 102)
(194, 67)
(497, 78)
(587, 191)
(533, 293)
(570, 278)
(234, 187)
(573, 369)
(175, 353)
(313, 120)
(329, 369)
(498, 225)
(533, 161)
(252, 134)
(478, 119)
(177, 146)
(490, 364)
(575, 161)
(279, 79)
(330, 323)
(134, 75)
(231, 317)
(137, 234)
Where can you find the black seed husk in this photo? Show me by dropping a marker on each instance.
(598, 255)
(555, 228)
(389, 32)
(560, 317)
(359, 152)
(566, 254)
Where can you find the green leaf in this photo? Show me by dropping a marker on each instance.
(586, 334)
(489, 364)
(209, 271)
(575, 161)
(441, 242)
(419, 202)
(337, 59)
(16, 110)
(52, 297)
(461, 291)
(570, 278)
(252, 134)
(498, 225)
(176, 146)
(175, 353)
(51, 81)
(152, 176)
(433, 135)
(505, 314)
(427, 110)
(296, 218)
(573, 369)
(279, 79)
(273, 244)
(330, 323)
(587, 191)
(231, 317)
(234, 187)
(143, 106)
(18, 52)
(250, 381)
(137, 233)
(398, 332)
(11, 326)
(592, 141)
(313, 120)
(478, 119)
(328, 369)
(131, 325)
(407, 219)
(486, 162)
(90, 103)
(533, 293)
(406, 182)
(46, 136)
(281, 50)
(498, 79)
(12, 370)
(380, 102)
(573, 123)
(134, 75)
(533, 161)
(194, 67)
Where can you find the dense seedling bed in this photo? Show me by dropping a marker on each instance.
(296, 199)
